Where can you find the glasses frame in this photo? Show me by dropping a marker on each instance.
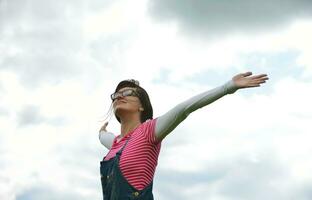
(124, 93)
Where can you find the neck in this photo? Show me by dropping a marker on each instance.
(128, 126)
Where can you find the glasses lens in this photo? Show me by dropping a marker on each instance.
(124, 93)
(116, 95)
(113, 96)
(127, 93)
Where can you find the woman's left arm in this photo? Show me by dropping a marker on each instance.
(170, 120)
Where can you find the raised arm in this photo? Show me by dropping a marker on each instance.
(106, 138)
(170, 120)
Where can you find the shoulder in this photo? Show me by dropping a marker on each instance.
(149, 124)
(148, 130)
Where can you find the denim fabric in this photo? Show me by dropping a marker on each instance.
(114, 184)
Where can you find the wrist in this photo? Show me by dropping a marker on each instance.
(231, 87)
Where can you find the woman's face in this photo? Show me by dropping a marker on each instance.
(126, 100)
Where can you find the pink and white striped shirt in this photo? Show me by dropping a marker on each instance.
(138, 160)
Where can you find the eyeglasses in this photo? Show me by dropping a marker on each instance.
(125, 93)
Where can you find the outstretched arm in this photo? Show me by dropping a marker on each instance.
(105, 137)
(170, 120)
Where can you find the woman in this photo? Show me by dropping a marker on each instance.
(128, 169)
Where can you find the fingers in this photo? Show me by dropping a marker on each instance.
(105, 124)
(245, 80)
(257, 82)
(260, 82)
(259, 79)
(255, 85)
(103, 128)
(261, 76)
(246, 74)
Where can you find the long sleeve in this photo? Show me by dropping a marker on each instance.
(106, 138)
(170, 120)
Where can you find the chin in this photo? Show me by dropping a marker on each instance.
(119, 110)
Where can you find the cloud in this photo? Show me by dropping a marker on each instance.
(209, 17)
(305, 192)
(278, 65)
(42, 192)
(43, 42)
(62, 169)
(236, 178)
(31, 115)
(1, 87)
(3, 112)
(5, 191)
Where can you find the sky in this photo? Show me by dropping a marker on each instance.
(60, 61)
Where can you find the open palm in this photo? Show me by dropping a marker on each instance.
(245, 80)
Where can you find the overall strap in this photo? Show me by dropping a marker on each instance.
(119, 152)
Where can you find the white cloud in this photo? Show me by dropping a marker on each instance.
(114, 19)
(212, 18)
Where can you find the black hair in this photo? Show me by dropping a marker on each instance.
(147, 113)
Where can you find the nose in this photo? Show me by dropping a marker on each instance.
(119, 97)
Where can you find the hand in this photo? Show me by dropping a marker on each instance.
(245, 80)
(103, 128)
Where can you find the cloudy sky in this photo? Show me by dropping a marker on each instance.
(60, 61)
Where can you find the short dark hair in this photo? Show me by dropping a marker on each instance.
(147, 113)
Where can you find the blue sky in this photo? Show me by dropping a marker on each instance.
(60, 61)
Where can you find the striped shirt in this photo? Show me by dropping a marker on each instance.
(138, 160)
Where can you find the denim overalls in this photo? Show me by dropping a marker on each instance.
(114, 184)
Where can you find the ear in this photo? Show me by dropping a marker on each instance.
(141, 109)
